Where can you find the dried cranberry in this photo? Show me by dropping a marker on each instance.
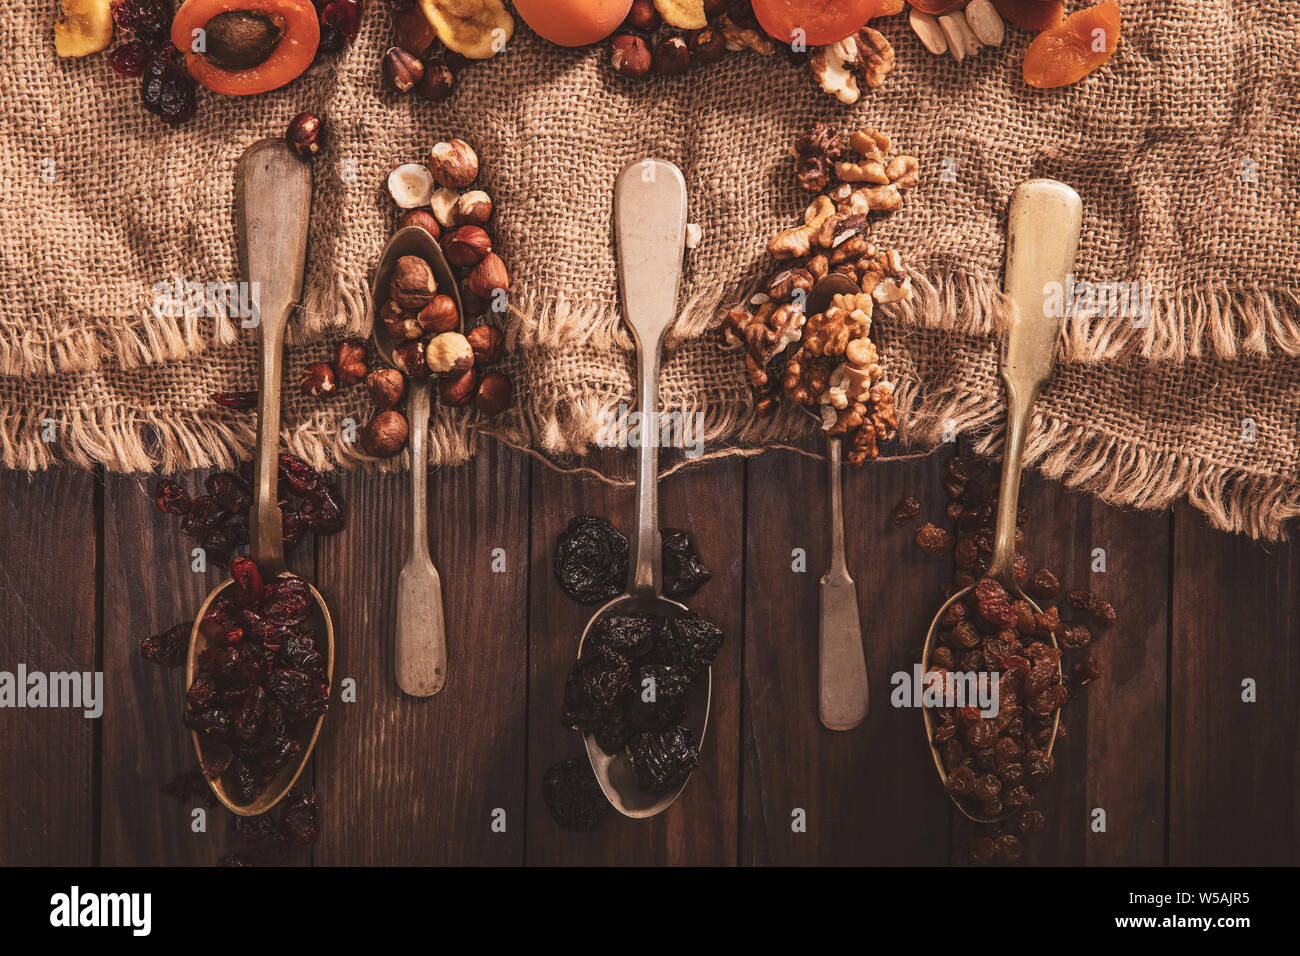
(167, 91)
(229, 490)
(170, 497)
(264, 839)
(240, 400)
(331, 41)
(248, 587)
(301, 821)
(149, 20)
(203, 518)
(217, 546)
(302, 478)
(344, 16)
(294, 528)
(168, 648)
(287, 601)
(323, 511)
(243, 781)
(189, 785)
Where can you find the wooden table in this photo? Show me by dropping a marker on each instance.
(1185, 771)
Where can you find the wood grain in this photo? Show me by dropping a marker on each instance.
(1234, 767)
(405, 780)
(47, 603)
(870, 794)
(700, 828)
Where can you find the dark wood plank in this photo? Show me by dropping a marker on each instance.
(700, 828)
(47, 601)
(870, 794)
(1234, 766)
(415, 781)
(1113, 755)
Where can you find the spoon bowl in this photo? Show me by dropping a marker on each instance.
(408, 241)
(614, 771)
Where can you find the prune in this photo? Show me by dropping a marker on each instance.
(594, 688)
(981, 850)
(683, 572)
(933, 540)
(590, 561)
(906, 509)
(323, 511)
(301, 821)
(573, 796)
(631, 636)
(658, 697)
(690, 641)
(301, 477)
(1031, 821)
(168, 648)
(203, 518)
(170, 497)
(265, 841)
(189, 785)
(167, 89)
(287, 601)
(612, 733)
(662, 761)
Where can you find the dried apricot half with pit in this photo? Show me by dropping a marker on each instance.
(1067, 53)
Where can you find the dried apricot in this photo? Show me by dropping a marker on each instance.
(815, 22)
(1067, 53)
(937, 7)
(1031, 14)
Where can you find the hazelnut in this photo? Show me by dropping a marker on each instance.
(421, 219)
(629, 55)
(385, 434)
(467, 246)
(318, 379)
(672, 57)
(440, 315)
(412, 286)
(400, 324)
(643, 16)
(409, 358)
(489, 276)
(305, 135)
(387, 387)
(487, 342)
(708, 45)
(473, 208)
(410, 185)
(439, 81)
(402, 70)
(457, 390)
(473, 305)
(350, 362)
(454, 164)
(448, 352)
(443, 204)
(495, 393)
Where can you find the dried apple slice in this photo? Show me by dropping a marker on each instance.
(476, 29)
(683, 14)
(1067, 53)
(814, 22)
(84, 27)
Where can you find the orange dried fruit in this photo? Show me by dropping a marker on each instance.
(249, 46)
(1035, 15)
(814, 22)
(889, 8)
(938, 7)
(1067, 53)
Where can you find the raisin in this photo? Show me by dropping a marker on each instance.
(168, 648)
(1044, 585)
(170, 497)
(961, 782)
(167, 91)
(683, 572)
(1079, 599)
(1031, 821)
(590, 561)
(906, 509)
(1086, 670)
(1007, 848)
(942, 657)
(1102, 612)
(966, 554)
(149, 20)
(662, 761)
(1075, 637)
(933, 540)
(573, 796)
(952, 614)
(993, 603)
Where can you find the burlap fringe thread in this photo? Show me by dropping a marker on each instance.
(1231, 323)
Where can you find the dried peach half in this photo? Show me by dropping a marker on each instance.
(815, 22)
(1067, 53)
(1036, 15)
(248, 46)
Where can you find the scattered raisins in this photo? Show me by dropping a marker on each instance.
(933, 540)
(906, 509)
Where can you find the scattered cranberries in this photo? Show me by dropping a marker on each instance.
(167, 89)
(130, 59)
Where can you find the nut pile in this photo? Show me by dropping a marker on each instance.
(998, 764)
(436, 39)
(863, 59)
(829, 360)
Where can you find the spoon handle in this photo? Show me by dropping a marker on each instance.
(650, 232)
(841, 664)
(1042, 238)
(273, 206)
(421, 651)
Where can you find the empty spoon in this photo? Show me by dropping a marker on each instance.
(1042, 239)
(650, 231)
(421, 646)
(273, 205)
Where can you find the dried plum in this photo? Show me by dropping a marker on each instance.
(683, 572)
(659, 697)
(662, 761)
(594, 688)
(690, 641)
(573, 796)
(611, 733)
(590, 561)
(265, 841)
(631, 636)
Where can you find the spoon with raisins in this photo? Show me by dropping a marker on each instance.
(989, 763)
(273, 206)
(650, 233)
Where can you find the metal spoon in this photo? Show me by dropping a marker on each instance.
(273, 205)
(843, 698)
(1042, 239)
(421, 650)
(650, 229)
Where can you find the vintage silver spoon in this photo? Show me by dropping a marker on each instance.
(420, 657)
(650, 231)
(1042, 238)
(273, 206)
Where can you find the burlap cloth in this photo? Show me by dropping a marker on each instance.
(1184, 149)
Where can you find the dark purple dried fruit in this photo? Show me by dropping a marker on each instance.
(594, 688)
(323, 510)
(590, 561)
(229, 491)
(188, 786)
(301, 821)
(236, 859)
(573, 796)
(302, 479)
(149, 20)
(683, 572)
(265, 841)
(659, 696)
(690, 641)
(663, 761)
(203, 517)
(167, 89)
(168, 648)
(170, 497)
(612, 733)
(631, 636)
(287, 601)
